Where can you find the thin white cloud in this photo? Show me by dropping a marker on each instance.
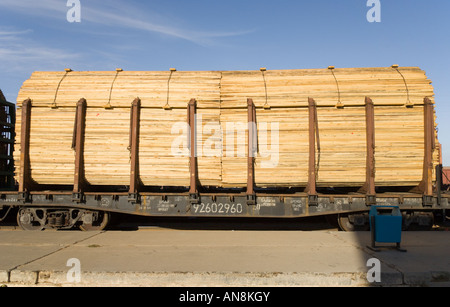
(5, 34)
(40, 7)
(117, 14)
(131, 20)
(21, 52)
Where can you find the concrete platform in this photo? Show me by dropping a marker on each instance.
(196, 258)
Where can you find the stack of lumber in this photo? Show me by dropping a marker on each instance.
(119, 89)
(399, 147)
(385, 86)
(51, 155)
(342, 158)
(163, 148)
(106, 154)
(106, 157)
(281, 99)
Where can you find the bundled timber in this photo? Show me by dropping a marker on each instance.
(282, 109)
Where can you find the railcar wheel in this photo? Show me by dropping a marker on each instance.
(349, 222)
(31, 218)
(94, 221)
(344, 223)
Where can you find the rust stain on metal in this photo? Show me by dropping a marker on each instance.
(25, 172)
(134, 145)
(369, 186)
(192, 111)
(426, 185)
(251, 116)
(80, 125)
(312, 122)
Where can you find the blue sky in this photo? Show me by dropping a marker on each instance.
(226, 35)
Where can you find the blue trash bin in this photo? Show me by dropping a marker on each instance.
(385, 226)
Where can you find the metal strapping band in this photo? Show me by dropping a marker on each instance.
(54, 106)
(266, 105)
(408, 101)
(339, 104)
(167, 106)
(108, 105)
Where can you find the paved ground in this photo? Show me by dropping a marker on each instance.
(179, 256)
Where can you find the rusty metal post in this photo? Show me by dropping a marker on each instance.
(426, 185)
(430, 144)
(312, 123)
(369, 186)
(78, 146)
(193, 169)
(135, 114)
(251, 118)
(25, 180)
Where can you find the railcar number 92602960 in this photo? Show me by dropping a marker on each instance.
(218, 208)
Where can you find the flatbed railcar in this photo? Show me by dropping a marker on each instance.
(73, 104)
